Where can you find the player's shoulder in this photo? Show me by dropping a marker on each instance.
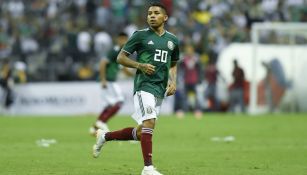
(141, 31)
(171, 36)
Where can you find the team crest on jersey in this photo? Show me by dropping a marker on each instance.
(170, 45)
(148, 110)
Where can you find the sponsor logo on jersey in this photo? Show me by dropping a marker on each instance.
(170, 45)
(150, 42)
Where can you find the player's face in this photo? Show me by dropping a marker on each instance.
(156, 16)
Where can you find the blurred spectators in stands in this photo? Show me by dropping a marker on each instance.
(46, 34)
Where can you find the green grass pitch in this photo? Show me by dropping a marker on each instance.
(263, 145)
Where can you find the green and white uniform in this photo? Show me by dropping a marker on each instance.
(159, 51)
(112, 94)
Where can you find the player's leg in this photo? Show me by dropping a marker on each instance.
(114, 99)
(99, 124)
(129, 133)
(150, 108)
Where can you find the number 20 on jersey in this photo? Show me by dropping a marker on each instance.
(160, 56)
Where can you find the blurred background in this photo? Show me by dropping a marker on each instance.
(50, 52)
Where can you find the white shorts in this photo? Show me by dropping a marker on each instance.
(112, 94)
(146, 106)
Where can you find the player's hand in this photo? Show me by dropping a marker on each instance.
(171, 88)
(147, 68)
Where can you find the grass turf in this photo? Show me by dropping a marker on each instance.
(264, 145)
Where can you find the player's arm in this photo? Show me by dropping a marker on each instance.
(128, 72)
(171, 87)
(124, 60)
(102, 72)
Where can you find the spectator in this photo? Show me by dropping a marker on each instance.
(16, 8)
(19, 73)
(211, 75)
(84, 40)
(237, 89)
(180, 97)
(191, 73)
(102, 42)
(207, 25)
(6, 84)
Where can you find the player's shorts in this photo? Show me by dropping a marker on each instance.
(112, 94)
(146, 106)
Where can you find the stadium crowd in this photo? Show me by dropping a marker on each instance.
(62, 40)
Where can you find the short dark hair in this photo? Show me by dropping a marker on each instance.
(122, 34)
(158, 4)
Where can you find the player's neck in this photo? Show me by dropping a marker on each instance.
(159, 30)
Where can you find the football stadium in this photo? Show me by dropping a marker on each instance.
(151, 87)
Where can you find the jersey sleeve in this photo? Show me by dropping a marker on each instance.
(112, 55)
(108, 57)
(175, 54)
(132, 43)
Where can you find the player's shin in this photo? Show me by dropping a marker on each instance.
(123, 134)
(109, 112)
(146, 143)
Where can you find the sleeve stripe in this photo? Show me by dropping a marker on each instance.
(126, 51)
(141, 103)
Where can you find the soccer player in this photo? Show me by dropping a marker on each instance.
(110, 90)
(157, 55)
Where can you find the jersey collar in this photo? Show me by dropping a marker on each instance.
(156, 33)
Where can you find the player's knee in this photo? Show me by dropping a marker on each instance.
(139, 132)
(149, 123)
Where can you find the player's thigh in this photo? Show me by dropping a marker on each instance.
(144, 106)
(159, 102)
(109, 94)
(117, 92)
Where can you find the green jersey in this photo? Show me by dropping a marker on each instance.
(157, 50)
(112, 67)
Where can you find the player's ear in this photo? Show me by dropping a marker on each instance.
(165, 18)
